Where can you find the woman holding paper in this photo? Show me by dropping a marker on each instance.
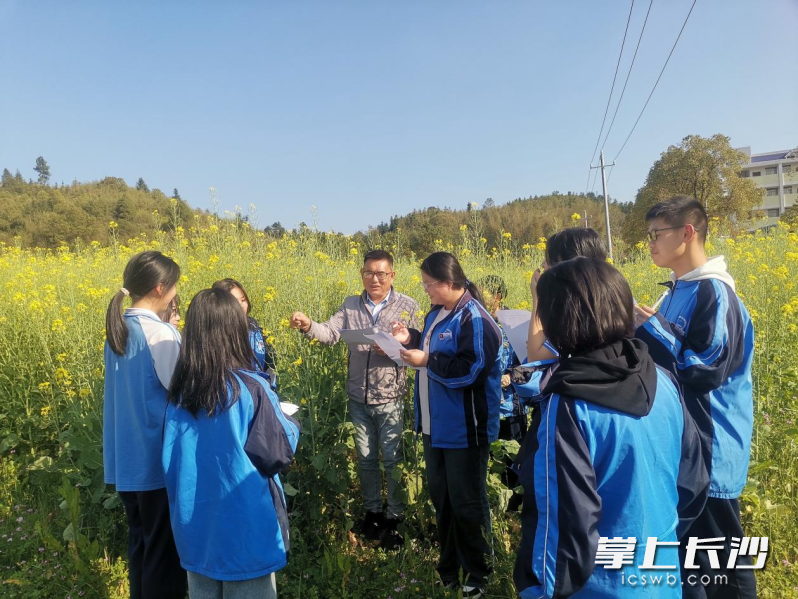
(457, 401)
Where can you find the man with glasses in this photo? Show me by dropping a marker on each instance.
(704, 337)
(376, 388)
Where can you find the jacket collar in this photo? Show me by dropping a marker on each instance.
(364, 295)
(713, 268)
(467, 297)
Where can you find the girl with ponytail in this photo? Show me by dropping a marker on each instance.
(140, 356)
(457, 402)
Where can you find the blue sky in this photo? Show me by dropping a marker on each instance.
(373, 108)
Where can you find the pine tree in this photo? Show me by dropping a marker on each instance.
(43, 169)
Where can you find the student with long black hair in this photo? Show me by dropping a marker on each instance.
(611, 452)
(563, 245)
(457, 401)
(225, 442)
(140, 355)
(263, 352)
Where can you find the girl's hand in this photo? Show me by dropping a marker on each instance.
(533, 284)
(415, 357)
(400, 332)
(642, 314)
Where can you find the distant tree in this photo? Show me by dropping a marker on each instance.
(176, 194)
(142, 186)
(43, 169)
(790, 215)
(275, 229)
(489, 203)
(707, 169)
(7, 179)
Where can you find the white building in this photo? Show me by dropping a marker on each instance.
(777, 173)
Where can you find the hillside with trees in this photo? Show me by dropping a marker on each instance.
(525, 219)
(44, 215)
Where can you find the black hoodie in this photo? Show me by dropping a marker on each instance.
(620, 376)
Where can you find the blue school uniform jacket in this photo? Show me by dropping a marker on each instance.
(464, 372)
(612, 452)
(264, 362)
(226, 501)
(135, 402)
(511, 404)
(704, 336)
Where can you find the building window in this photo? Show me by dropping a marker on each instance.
(771, 170)
(756, 174)
(773, 191)
(744, 174)
(788, 189)
(773, 212)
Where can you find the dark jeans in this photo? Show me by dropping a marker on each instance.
(154, 566)
(457, 480)
(720, 518)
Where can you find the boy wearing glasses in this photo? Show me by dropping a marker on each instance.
(703, 335)
(376, 388)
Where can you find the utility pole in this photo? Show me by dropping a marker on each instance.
(603, 166)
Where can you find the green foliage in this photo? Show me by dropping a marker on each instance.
(704, 168)
(36, 215)
(43, 170)
(525, 219)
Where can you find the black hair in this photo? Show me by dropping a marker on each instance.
(584, 304)
(174, 305)
(143, 273)
(495, 284)
(229, 285)
(571, 243)
(378, 255)
(443, 266)
(681, 210)
(215, 344)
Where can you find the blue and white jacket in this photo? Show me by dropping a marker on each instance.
(464, 372)
(226, 501)
(135, 402)
(704, 336)
(511, 405)
(612, 452)
(264, 353)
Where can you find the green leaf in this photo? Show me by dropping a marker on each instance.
(289, 489)
(9, 443)
(112, 502)
(69, 533)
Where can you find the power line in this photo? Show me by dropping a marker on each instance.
(639, 39)
(657, 81)
(607, 109)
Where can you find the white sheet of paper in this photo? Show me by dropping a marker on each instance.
(358, 336)
(388, 344)
(516, 326)
(289, 408)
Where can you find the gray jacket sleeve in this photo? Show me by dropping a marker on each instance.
(415, 322)
(327, 332)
